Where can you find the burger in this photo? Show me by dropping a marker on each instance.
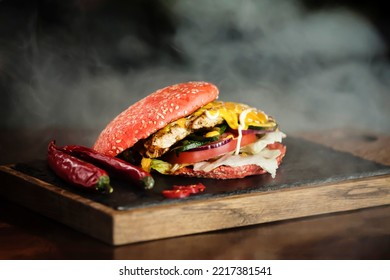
(184, 130)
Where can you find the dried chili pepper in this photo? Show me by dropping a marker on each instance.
(76, 171)
(183, 191)
(193, 189)
(113, 165)
(176, 193)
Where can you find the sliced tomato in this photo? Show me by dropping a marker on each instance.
(205, 154)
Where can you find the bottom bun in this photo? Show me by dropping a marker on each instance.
(223, 172)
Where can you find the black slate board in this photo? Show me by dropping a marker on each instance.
(305, 164)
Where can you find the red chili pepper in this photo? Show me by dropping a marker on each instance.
(193, 189)
(183, 191)
(113, 165)
(176, 193)
(76, 171)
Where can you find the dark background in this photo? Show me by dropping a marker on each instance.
(310, 64)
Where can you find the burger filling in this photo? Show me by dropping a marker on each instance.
(220, 133)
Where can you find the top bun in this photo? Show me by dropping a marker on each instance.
(152, 113)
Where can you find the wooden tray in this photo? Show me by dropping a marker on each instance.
(312, 180)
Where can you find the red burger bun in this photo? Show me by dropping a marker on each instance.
(152, 113)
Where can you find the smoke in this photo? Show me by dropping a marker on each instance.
(310, 70)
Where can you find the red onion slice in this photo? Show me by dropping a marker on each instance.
(212, 145)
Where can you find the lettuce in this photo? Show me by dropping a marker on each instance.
(161, 166)
(260, 144)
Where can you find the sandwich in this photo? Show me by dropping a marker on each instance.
(184, 130)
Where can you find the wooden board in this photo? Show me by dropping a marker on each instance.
(312, 180)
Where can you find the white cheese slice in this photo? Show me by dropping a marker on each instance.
(266, 159)
(259, 145)
(256, 153)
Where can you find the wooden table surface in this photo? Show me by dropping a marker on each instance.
(359, 234)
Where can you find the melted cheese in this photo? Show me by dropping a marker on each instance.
(238, 116)
(211, 134)
(231, 112)
(181, 122)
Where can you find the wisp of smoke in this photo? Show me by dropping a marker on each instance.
(310, 70)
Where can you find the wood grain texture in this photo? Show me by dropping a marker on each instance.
(360, 234)
(196, 216)
(242, 210)
(56, 203)
(118, 227)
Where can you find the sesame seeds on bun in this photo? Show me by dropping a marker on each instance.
(152, 113)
